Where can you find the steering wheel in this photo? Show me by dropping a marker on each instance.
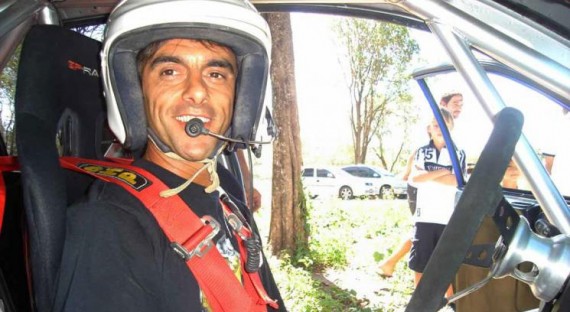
(481, 196)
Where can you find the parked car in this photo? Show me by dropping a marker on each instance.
(333, 182)
(387, 184)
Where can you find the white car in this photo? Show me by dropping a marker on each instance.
(333, 182)
(386, 184)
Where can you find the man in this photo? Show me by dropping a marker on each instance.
(166, 63)
(453, 102)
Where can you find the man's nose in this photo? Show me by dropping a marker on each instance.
(195, 90)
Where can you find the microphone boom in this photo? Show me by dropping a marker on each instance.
(195, 127)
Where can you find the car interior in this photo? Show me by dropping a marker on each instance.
(60, 111)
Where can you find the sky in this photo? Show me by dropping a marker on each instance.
(323, 98)
(322, 92)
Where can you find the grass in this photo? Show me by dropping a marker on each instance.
(338, 272)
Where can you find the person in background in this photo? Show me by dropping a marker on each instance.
(452, 101)
(512, 176)
(433, 175)
(557, 160)
(388, 266)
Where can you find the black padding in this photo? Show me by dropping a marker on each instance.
(58, 88)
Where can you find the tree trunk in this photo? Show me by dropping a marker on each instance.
(287, 227)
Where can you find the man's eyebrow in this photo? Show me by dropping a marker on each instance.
(222, 63)
(174, 59)
(164, 59)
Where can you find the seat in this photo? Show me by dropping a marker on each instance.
(59, 111)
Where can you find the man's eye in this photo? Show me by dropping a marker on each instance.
(167, 72)
(216, 75)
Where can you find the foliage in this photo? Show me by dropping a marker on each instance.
(302, 292)
(334, 229)
(393, 134)
(91, 31)
(368, 230)
(324, 250)
(377, 55)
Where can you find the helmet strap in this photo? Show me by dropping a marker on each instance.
(211, 165)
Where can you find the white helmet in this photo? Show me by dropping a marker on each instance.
(134, 24)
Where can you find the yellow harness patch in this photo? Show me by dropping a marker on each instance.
(131, 178)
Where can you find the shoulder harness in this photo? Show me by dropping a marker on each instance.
(191, 237)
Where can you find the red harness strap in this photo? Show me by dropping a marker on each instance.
(191, 236)
(7, 163)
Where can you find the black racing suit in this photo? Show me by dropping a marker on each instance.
(117, 258)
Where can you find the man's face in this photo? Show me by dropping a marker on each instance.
(455, 105)
(188, 79)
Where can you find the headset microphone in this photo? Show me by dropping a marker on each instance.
(195, 127)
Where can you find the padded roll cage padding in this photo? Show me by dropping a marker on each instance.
(481, 196)
(58, 76)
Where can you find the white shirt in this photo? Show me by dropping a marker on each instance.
(436, 201)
